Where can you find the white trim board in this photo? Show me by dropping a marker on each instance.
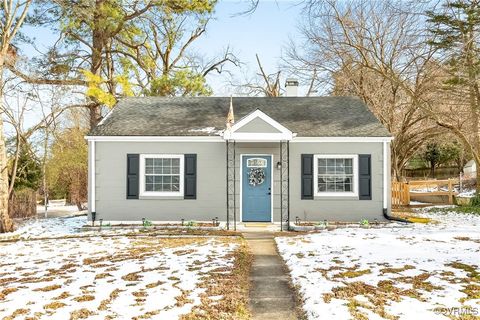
(156, 138)
(247, 137)
(231, 134)
(271, 183)
(341, 139)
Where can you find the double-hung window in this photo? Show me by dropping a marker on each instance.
(336, 175)
(161, 175)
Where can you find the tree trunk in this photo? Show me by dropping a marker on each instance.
(98, 44)
(13, 175)
(6, 223)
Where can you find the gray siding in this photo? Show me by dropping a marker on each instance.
(337, 208)
(112, 205)
(111, 202)
(258, 125)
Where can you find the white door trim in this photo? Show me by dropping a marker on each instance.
(271, 182)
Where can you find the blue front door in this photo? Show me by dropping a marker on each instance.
(257, 188)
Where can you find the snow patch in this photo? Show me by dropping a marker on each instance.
(209, 130)
(112, 277)
(316, 260)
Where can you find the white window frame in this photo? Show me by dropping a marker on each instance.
(144, 193)
(354, 158)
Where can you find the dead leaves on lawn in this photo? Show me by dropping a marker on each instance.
(226, 295)
(386, 290)
(472, 280)
(54, 305)
(5, 292)
(133, 276)
(48, 288)
(80, 314)
(104, 304)
(226, 290)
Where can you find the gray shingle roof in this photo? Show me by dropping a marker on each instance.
(182, 116)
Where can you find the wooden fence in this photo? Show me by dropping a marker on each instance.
(400, 194)
(402, 191)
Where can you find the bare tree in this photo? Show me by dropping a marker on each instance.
(263, 84)
(454, 29)
(376, 50)
(12, 16)
(161, 61)
(28, 101)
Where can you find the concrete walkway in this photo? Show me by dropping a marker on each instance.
(271, 296)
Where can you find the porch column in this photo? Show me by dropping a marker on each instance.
(285, 185)
(231, 185)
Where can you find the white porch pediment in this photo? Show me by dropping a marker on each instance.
(258, 126)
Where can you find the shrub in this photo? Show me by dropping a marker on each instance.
(475, 201)
(191, 224)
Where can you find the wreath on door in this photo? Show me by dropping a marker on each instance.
(256, 176)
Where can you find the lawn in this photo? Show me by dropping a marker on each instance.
(138, 276)
(423, 271)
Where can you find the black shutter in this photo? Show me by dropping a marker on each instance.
(133, 169)
(364, 177)
(307, 176)
(190, 191)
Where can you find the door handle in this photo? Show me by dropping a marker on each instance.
(269, 193)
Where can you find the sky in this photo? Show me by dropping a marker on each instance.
(265, 31)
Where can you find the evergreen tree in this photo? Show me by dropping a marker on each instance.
(455, 30)
(29, 171)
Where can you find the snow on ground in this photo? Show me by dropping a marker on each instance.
(467, 193)
(47, 228)
(405, 272)
(106, 277)
(60, 228)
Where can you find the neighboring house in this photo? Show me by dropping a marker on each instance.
(470, 169)
(167, 159)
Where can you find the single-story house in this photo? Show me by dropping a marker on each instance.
(241, 159)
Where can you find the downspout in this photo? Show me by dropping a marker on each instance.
(226, 189)
(385, 187)
(91, 144)
(288, 184)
